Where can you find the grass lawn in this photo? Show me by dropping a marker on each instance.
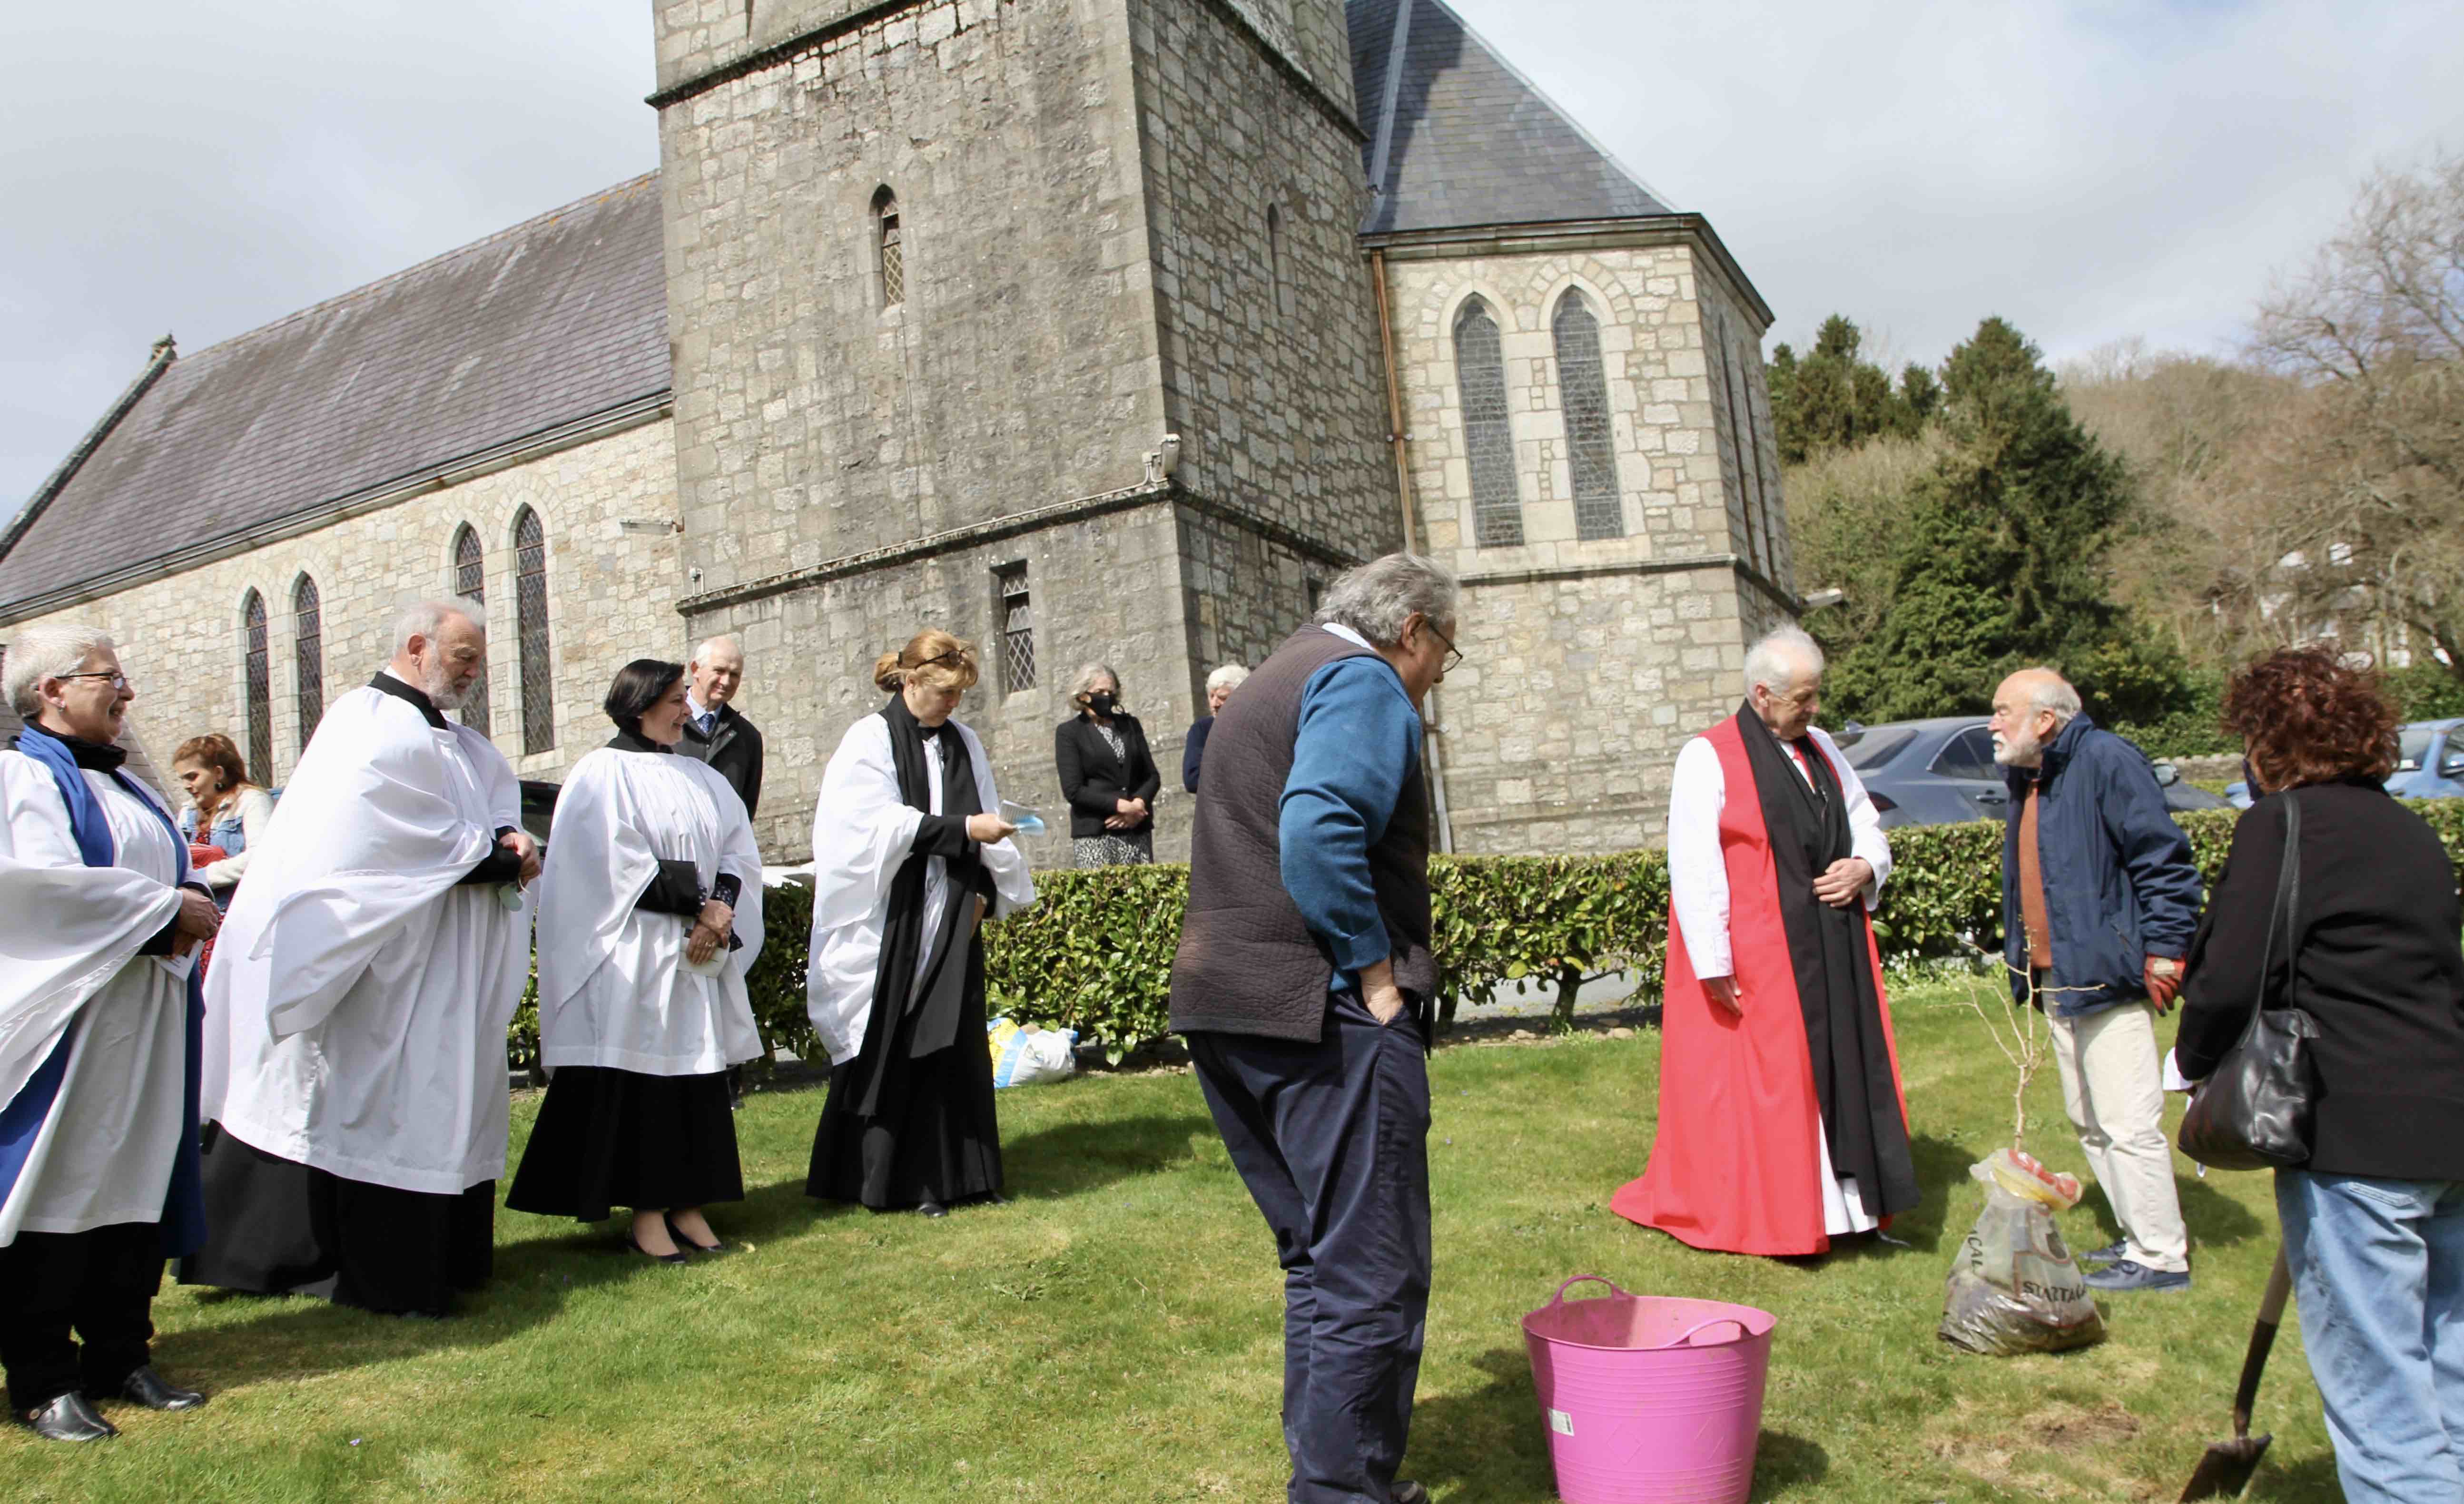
(1114, 1333)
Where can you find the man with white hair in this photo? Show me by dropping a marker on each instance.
(1304, 984)
(715, 732)
(2099, 901)
(355, 1061)
(1782, 1122)
(1220, 686)
(101, 921)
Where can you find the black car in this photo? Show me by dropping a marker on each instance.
(1941, 770)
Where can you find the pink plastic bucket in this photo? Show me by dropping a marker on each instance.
(1649, 1400)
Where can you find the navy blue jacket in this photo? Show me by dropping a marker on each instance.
(2120, 885)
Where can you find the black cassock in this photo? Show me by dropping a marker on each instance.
(910, 1118)
(1844, 1041)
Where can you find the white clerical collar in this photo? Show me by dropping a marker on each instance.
(1347, 634)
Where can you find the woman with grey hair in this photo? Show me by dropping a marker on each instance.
(1220, 686)
(1107, 774)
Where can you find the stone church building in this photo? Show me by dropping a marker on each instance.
(1088, 328)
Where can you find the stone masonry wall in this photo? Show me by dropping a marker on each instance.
(611, 598)
(813, 421)
(1105, 589)
(1588, 662)
(1270, 363)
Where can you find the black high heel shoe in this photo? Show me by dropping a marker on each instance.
(684, 1242)
(635, 1244)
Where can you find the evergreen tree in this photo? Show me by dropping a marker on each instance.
(2003, 561)
(1835, 398)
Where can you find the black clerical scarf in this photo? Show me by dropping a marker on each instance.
(916, 1015)
(1807, 828)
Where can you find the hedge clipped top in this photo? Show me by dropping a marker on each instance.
(1095, 954)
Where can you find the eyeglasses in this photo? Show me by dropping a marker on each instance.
(1454, 654)
(955, 659)
(119, 681)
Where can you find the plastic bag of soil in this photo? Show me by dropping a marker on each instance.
(2013, 1286)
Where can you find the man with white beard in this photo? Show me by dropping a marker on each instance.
(355, 1057)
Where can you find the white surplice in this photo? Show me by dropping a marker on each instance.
(862, 837)
(1698, 891)
(357, 1003)
(104, 1152)
(613, 989)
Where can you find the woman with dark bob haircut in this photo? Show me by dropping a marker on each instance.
(2374, 1221)
(650, 914)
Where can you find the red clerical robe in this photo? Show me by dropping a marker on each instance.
(1736, 1163)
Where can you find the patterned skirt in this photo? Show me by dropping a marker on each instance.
(1113, 848)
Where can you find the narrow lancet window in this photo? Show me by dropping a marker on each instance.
(1488, 436)
(1591, 452)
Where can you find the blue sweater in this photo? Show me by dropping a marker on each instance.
(1359, 738)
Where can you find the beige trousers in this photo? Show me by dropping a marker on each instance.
(2113, 1090)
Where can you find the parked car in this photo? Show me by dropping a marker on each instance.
(539, 807)
(2428, 764)
(1941, 770)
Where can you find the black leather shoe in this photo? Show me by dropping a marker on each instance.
(153, 1392)
(930, 1208)
(70, 1418)
(685, 1243)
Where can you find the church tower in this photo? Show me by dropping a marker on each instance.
(1042, 320)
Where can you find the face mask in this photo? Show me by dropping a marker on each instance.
(1100, 702)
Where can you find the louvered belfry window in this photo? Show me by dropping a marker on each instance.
(1489, 437)
(1590, 453)
(530, 613)
(308, 656)
(1018, 629)
(471, 580)
(258, 667)
(893, 252)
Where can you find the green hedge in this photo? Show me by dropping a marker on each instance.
(1095, 953)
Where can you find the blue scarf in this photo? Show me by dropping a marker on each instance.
(184, 1207)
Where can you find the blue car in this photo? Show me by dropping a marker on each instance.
(2429, 765)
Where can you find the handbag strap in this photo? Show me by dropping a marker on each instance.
(2288, 899)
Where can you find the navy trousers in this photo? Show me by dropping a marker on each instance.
(1332, 1140)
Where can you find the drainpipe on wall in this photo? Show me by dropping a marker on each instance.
(1435, 720)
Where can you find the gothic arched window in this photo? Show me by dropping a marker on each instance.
(530, 623)
(470, 579)
(257, 664)
(308, 656)
(892, 253)
(1591, 454)
(1489, 437)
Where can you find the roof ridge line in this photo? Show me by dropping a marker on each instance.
(391, 278)
(1564, 115)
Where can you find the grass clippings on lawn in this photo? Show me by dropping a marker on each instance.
(1115, 1332)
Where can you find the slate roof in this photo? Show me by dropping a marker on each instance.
(534, 328)
(1467, 141)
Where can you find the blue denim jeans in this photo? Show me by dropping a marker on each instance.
(2378, 1275)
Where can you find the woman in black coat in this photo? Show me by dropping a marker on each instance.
(2374, 1221)
(1107, 774)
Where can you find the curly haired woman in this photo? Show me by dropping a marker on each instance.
(2374, 1220)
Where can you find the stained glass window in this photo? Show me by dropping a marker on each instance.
(530, 614)
(1489, 438)
(1599, 513)
(308, 656)
(470, 579)
(258, 664)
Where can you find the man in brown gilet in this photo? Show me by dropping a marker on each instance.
(1304, 984)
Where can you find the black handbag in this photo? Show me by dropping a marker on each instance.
(2253, 1111)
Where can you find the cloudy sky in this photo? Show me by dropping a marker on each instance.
(2091, 171)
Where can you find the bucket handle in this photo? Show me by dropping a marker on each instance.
(1686, 1337)
(1559, 1298)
